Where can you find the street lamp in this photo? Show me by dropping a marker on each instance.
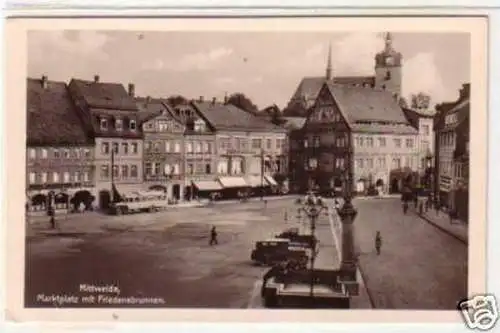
(312, 206)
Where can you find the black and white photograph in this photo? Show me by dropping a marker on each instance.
(248, 169)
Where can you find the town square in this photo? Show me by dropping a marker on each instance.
(181, 188)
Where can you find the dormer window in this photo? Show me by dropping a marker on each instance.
(388, 75)
(119, 124)
(104, 124)
(132, 125)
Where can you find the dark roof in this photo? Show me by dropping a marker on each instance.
(102, 95)
(367, 104)
(229, 117)
(149, 108)
(52, 117)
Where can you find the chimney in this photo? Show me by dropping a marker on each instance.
(44, 81)
(201, 99)
(131, 90)
(96, 78)
(214, 100)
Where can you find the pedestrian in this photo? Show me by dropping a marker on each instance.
(265, 203)
(213, 237)
(378, 242)
(286, 216)
(52, 217)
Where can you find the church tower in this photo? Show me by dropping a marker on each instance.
(388, 68)
(329, 64)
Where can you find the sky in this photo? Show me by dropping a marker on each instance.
(265, 66)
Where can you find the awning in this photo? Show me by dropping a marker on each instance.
(271, 181)
(207, 185)
(73, 191)
(233, 182)
(255, 181)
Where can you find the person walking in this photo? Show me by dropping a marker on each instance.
(52, 217)
(378, 242)
(213, 236)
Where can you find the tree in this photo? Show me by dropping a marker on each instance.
(420, 101)
(403, 102)
(177, 100)
(241, 101)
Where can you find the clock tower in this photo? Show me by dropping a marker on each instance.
(388, 65)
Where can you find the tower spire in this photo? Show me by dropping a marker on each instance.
(388, 41)
(329, 63)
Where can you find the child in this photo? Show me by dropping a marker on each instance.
(378, 242)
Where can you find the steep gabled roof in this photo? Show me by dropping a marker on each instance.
(103, 95)
(229, 117)
(52, 117)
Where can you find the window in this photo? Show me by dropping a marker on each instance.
(409, 143)
(57, 154)
(44, 153)
(177, 147)
(341, 141)
(176, 169)
(115, 147)
(369, 142)
(44, 177)
(119, 124)
(407, 161)
(425, 145)
(134, 149)
(147, 145)
(105, 171)
(86, 153)
(360, 141)
(124, 171)
(189, 147)
(190, 168)
(132, 125)
(104, 124)
(76, 177)
(105, 148)
(306, 143)
(198, 147)
(32, 178)
(396, 163)
(269, 144)
(156, 147)
(280, 143)
(256, 143)
(32, 153)
(55, 177)
(66, 177)
(157, 169)
(133, 171)
(76, 153)
(359, 163)
(167, 146)
(208, 168)
(124, 148)
(340, 163)
(381, 142)
(86, 177)
(397, 143)
(425, 129)
(208, 148)
(381, 162)
(65, 153)
(116, 171)
(387, 75)
(313, 163)
(369, 163)
(316, 141)
(149, 125)
(148, 169)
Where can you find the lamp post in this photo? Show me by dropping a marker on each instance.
(262, 174)
(312, 206)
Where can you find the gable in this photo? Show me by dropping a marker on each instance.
(325, 109)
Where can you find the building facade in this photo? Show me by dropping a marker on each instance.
(59, 153)
(112, 115)
(249, 150)
(163, 149)
(357, 137)
(452, 159)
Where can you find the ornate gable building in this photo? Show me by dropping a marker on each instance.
(387, 76)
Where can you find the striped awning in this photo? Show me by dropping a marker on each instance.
(271, 180)
(255, 181)
(207, 185)
(233, 182)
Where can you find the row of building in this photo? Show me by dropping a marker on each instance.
(336, 131)
(85, 135)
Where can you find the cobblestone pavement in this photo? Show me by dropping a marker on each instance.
(420, 266)
(162, 254)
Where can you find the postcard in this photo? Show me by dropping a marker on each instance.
(221, 169)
